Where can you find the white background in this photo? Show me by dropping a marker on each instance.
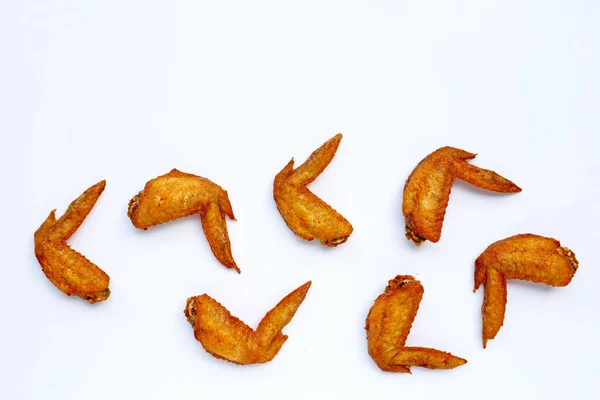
(127, 90)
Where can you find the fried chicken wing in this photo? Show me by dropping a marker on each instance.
(67, 269)
(305, 214)
(388, 325)
(178, 194)
(226, 337)
(527, 257)
(427, 190)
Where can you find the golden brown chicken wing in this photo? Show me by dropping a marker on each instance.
(527, 257)
(427, 190)
(68, 270)
(388, 325)
(178, 194)
(226, 337)
(305, 214)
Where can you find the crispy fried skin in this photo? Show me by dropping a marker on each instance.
(388, 325)
(68, 270)
(305, 214)
(527, 257)
(494, 304)
(226, 337)
(427, 190)
(178, 194)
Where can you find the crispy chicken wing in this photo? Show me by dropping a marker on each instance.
(427, 190)
(388, 325)
(178, 194)
(67, 269)
(305, 214)
(226, 337)
(527, 257)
